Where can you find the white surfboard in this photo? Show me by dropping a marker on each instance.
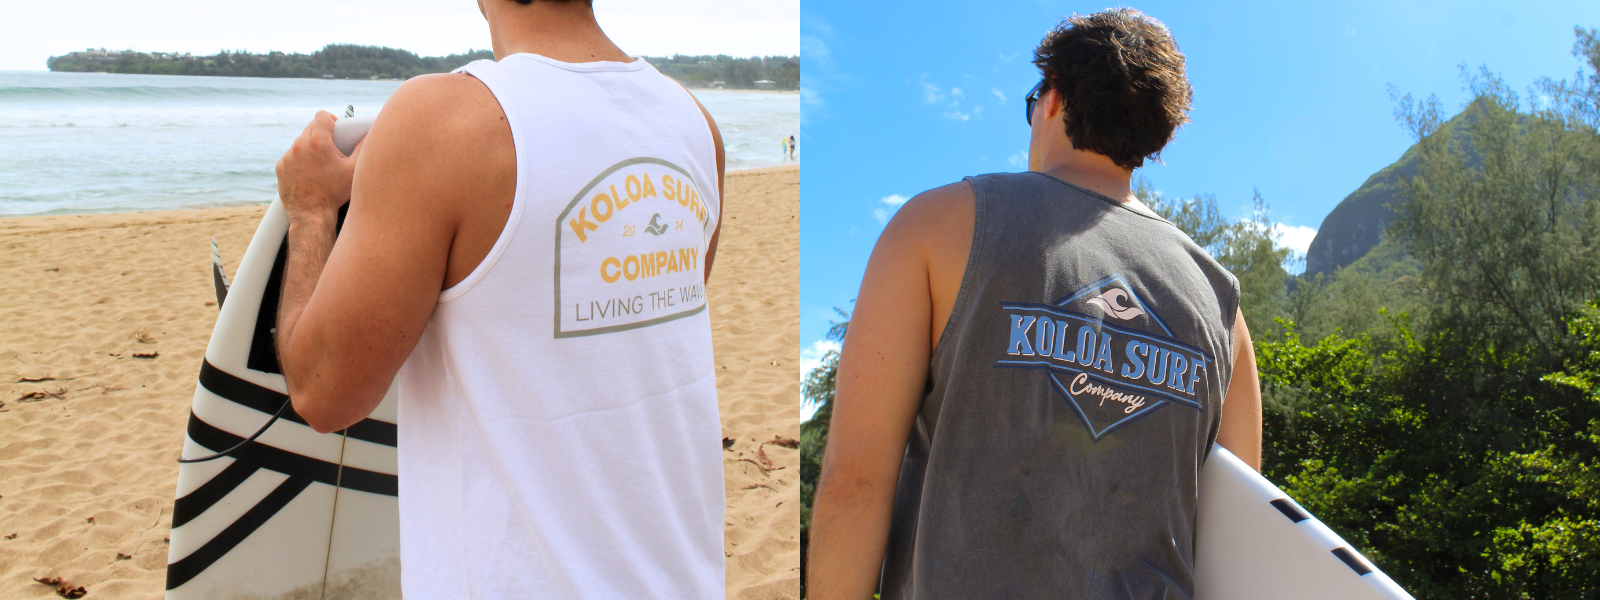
(284, 512)
(1254, 543)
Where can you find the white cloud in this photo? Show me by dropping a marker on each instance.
(811, 358)
(821, 70)
(999, 94)
(811, 97)
(1019, 160)
(949, 99)
(1295, 237)
(891, 203)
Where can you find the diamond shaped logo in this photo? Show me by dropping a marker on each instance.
(1106, 353)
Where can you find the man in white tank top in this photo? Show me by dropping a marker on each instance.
(525, 251)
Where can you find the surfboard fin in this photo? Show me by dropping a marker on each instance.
(217, 278)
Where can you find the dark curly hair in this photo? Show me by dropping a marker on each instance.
(1120, 77)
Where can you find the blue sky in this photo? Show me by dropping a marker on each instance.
(1291, 98)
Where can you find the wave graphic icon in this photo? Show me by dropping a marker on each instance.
(1112, 303)
(656, 227)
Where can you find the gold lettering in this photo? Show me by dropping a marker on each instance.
(621, 202)
(630, 267)
(667, 188)
(581, 223)
(633, 187)
(649, 188)
(594, 207)
(649, 264)
(613, 275)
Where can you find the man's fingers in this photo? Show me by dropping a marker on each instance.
(322, 125)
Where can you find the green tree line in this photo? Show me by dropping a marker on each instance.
(340, 61)
(1436, 403)
(730, 72)
(345, 61)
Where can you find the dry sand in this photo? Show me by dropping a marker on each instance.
(104, 319)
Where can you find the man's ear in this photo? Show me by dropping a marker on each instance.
(1052, 106)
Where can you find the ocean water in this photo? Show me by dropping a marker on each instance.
(99, 143)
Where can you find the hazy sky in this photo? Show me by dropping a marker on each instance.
(33, 30)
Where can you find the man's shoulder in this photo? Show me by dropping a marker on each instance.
(933, 208)
(446, 127)
(930, 220)
(442, 107)
(444, 139)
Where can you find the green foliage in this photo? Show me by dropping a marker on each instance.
(345, 61)
(740, 73)
(1508, 230)
(1461, 452)
(1353, 300)
(340, 61)
(1247, 248)
(1450, 465)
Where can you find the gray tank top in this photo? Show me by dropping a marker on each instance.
(1071, 401)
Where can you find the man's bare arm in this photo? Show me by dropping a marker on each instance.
(345, 328)
(883, 369)
(314, 180)
(1240, 432)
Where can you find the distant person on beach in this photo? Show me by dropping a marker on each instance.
(558, 426)
(791, 147)
(785, 151)
(1038, 364)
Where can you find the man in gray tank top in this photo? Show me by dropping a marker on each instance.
(1038, 364)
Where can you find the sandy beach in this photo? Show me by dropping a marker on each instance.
(105, 318)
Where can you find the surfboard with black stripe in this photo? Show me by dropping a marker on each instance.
(292, 513)
(1254, 542)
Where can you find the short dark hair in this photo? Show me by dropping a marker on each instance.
(1120, 77)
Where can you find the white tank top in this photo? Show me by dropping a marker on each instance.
(558, 432)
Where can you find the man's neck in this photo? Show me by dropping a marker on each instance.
(1091, 171)
(564, 31)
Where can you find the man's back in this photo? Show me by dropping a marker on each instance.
(558, 417)
(1074, 391)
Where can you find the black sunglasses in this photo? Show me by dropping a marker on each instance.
(1033, 97)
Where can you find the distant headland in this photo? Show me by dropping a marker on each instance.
(345, 61)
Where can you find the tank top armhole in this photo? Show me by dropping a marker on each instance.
(958, 307)
(711, 140)
(510, 229)
(1230, 318)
